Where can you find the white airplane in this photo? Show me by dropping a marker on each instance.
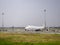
(36, 28)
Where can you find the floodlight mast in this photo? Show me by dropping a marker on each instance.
(45, 17)
(3, 20)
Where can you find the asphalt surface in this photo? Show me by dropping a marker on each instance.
(22, 30)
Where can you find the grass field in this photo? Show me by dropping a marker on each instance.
(29, 39)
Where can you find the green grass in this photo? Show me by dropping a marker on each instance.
(3, 42)
(29, 39)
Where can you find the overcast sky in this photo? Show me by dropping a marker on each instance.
(29, 12)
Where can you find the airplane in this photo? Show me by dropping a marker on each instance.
(34, 28)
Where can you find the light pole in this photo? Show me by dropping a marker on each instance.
(45, 17)
(12, 28)
(3, 20)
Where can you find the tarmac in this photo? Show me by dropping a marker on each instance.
(22, 30)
